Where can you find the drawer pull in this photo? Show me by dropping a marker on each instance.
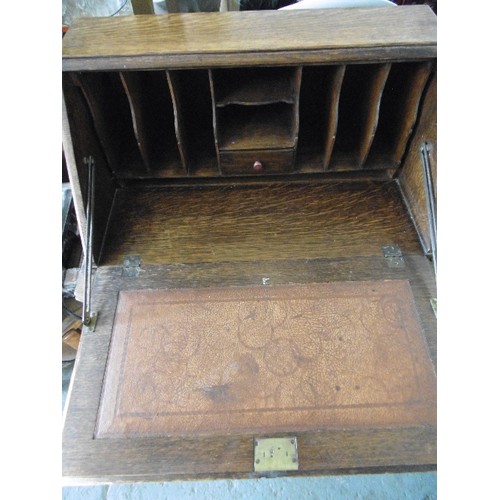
(257, 166)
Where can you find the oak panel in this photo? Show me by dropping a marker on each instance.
(153, 119)
(358, 111)
(411, 178)
(398, 114)
(200, 39)
(268, 221)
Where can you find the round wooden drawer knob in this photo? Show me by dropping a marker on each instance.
(257, 166)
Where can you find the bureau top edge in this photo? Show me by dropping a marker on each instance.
(220, 39)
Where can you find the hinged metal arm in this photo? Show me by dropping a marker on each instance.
(89, 318)
(431, 207)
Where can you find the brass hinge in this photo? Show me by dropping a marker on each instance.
(131, 266)
(393, 256)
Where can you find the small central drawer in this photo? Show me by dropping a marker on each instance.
(257, 162)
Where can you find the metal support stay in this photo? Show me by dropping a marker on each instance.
(88, 317)
(431, 207)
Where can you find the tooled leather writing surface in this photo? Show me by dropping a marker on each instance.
(265, 359)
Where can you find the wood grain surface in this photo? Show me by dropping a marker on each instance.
(360, 96)
(112, 119)
(334, 88)
(81, 141)
(271, 126)
(254, 86)
(152, 113)
(372, 112)
(411, 177)
(224, 39)
(273, 221)
(193, 120)
(398, 114)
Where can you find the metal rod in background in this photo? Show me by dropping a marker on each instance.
(87, 279)
(431, 207)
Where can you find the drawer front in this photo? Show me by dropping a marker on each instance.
(257, 162)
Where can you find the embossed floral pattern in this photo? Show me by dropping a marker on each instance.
(330, 351)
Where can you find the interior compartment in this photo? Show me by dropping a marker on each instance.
(319, 98)
(191, 94)
(398, 113)
(112, 117)
(360, 96)
(255, 109)
(270, 126)
(343, 118)
(153, 120)
(255, 86)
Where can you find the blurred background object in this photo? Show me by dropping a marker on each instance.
(71, 9)
(338, 4)
(431, 3)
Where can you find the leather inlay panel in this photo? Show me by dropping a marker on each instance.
(263, 359)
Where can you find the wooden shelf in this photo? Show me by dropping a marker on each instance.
(256, 117)
(257, 222)
(252, 128)
(255, 86)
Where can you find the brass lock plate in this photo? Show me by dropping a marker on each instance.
(276, 454)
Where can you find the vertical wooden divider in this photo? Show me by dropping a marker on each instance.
(333, 109)
(398, 114)
(372, 115)
(152, 109)
(358, 113)
(132, 87)
(410, 109)
(297, 81)
(180, 129)
(214, 116)
(109, 109)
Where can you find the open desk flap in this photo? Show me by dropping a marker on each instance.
(266, 359)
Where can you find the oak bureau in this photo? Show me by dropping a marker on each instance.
(255, 195)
